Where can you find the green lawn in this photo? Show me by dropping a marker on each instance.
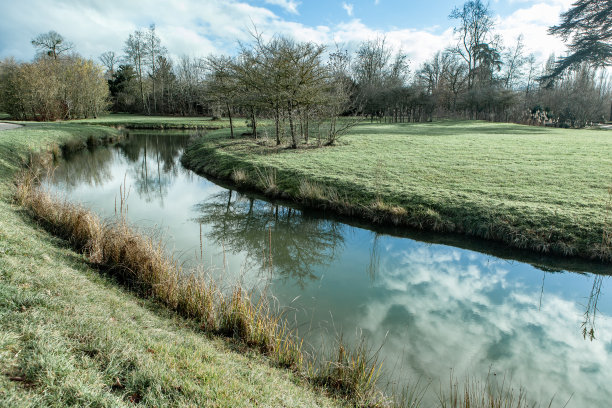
(531, 187)
(69, 336)
(159, 122)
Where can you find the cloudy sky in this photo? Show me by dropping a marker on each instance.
(202, 27)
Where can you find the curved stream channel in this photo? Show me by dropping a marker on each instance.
(433, 307)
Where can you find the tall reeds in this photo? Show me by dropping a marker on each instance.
(492, 393)
(141, 263)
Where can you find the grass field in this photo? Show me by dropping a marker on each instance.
(69, 336)
(542, 189)
(159, 122)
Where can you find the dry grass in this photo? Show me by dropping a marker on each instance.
(267, 180)
(309, 190)
(239, 176)
(492, 393)
(141, 263)
(353, 372)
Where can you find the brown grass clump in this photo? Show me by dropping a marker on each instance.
(267, 179)
(322, 196)
(239, 176)
(354, 373)
(141, 263)
(309, 190)
(492, 393)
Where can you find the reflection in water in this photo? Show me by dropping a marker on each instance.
(91, 167)
(154, 163)
(433, 307)
(444, 309)
(588, 324)
(282, 237)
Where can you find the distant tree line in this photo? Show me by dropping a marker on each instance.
(57, 85)
(303, 84)
(308, 90)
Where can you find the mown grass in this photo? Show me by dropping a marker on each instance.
(69, 336)
(532, 188)
(130, 121)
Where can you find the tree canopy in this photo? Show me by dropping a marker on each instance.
(51, 44)
(588, 28)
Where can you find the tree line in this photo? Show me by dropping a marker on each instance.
(57, 85)
(307, 90)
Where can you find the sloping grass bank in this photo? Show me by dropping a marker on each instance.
(541, 189)
(69, 336)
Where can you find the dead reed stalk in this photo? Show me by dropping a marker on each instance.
(142, 264)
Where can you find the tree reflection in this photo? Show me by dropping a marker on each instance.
(155, 162)
(271, 235)
(588, 324)
(374, 264)
(90, 166)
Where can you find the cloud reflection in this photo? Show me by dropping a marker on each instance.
(456, 311)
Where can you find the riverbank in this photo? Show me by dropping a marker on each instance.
(70, 336)
(130, 121)
(540, 189)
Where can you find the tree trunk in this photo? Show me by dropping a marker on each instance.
(291, 125)
(253, 123)
(142, 100)
(229, 115)
(306, 130)
(277, 123)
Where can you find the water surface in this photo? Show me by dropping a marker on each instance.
(432, 307)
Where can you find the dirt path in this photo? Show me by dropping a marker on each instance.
(7, 126)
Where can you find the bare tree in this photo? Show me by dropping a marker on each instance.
(473, 31)
(51, 44)
(135, 50)
(153, 50)
(514, 62)
(109, 60)
(222, 84)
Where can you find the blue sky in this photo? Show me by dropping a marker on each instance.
(381, 14)
(202, 27)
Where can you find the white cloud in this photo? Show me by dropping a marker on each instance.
(533, 22)
(348, 7)
(189, 27)
(290, 6)
(197, 28)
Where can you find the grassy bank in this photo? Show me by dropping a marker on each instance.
(129, 121)
(541, 189)
(69, 336)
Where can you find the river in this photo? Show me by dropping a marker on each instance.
(433, 309)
